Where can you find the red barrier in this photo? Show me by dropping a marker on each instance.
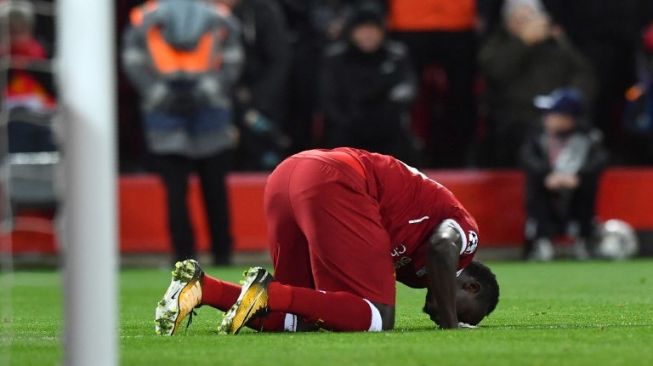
(627, 194)
(495, 198)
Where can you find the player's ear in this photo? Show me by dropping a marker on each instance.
(472, 286)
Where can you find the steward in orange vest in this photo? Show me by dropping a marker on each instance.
(184, 56)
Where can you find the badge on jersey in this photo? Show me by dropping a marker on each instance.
(472, 242)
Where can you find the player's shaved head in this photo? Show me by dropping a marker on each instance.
(488, 294)
(476, 297)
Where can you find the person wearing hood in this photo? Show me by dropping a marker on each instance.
(563, 161)
(184, 57)
(527, 56)
(367, 87)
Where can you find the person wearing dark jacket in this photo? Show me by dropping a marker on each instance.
(526, 57)
(562, 162)
(441, 37)
(608, 34)
(260, 92)
(367, 86)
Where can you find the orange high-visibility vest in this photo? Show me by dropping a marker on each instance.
(168, 60)
(431, 15)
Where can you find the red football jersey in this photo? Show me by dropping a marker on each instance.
(412, 207)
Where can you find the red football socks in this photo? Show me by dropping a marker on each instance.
(219, 294)
(340, 311)
(222, 295)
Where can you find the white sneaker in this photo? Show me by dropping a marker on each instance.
(542, 251)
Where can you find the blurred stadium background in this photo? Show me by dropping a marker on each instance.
(37, 115)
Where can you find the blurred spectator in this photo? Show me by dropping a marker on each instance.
(443, 33)
(563, 162)
(306, 49)
(638, 115)
(329, 18)
(527, 57)
(132, 149)
(367, 87)
(184, 57)
(313, 25)
(26, 95)
(489, 14)
(260, 92)
(18, 19)
(648, 44)
(608, 34)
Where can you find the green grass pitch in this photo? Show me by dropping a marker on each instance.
(563, 313)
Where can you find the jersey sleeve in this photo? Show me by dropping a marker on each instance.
(465, 225)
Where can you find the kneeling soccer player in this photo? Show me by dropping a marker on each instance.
(343, 225)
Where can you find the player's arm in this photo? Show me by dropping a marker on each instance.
(445, 246)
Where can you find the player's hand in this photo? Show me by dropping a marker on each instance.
(433, 314)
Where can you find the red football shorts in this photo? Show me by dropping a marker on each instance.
(325, 231)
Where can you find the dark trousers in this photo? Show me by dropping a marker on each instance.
(26, 137)
(502, 146)
(175, 171)
(452, 134)
(552, 212)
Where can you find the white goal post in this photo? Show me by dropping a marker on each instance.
(86, 79)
